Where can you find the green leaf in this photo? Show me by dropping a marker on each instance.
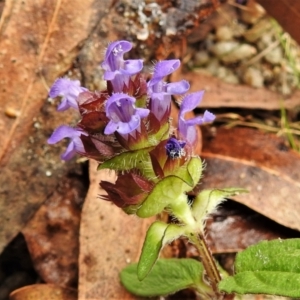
(270, 267)
(207, 201)
(151, 248)
(158, 235)
(167, 277)
(126, 160)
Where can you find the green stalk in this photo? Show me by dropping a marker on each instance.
(208, 262)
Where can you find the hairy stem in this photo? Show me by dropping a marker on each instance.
(208, 262)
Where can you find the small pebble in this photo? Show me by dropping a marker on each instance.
(243, 51)
(252, 13)
(201, 58)
(213, 66)
(265, 41)
(275, 56)
(253, 77)
(224, 33)
(227, 75)
(12, 112)
(48, 173)
(221, 48)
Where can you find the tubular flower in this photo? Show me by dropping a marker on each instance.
(186, 128)
(124, 116)
(160, 92)
(68, 90)
(75, 145)
(117, 70)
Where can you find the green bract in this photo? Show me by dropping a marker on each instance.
(169, 189)
(207, 201)
(158, 235)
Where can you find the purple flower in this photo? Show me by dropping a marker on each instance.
(174, 148)
(186, 128)
(75, 146)
(160, 92)
(124, 116)
(117, 70)
(69, 90)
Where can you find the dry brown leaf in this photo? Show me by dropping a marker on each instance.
(52, 234)
(109, 241)
(222, 94)
(259, 162)
(38, 42)
(43, 291)
(287, 13)
(234, 227)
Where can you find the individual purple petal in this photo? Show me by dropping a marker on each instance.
(117, 70)
(206, 118)
(124, 116)
(75, 145)
(132, 66)
(186, 128)
(177, 88)
(164, 68)
(114, 55)
(191, 101)
(68, 90)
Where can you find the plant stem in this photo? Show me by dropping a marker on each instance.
(208, 262)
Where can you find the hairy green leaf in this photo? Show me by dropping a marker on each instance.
(270, 267)
(167, 277)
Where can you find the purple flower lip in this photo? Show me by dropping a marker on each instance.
(186, 128)
(68, 90)
(75, 145)
(117, 70)
(124, 116)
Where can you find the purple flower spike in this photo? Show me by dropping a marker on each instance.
(124, 116)
(117, 70)
(75, 146)
(160, 92)
(69, 90)
(187, 128)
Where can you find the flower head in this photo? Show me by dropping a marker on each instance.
(68, 90)
(117, 70)
(160, 92)
(186, 128)
(124, 116)
(75, 145)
